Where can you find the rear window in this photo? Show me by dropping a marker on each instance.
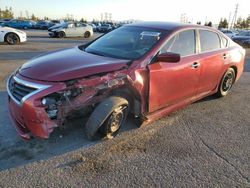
(209, 41)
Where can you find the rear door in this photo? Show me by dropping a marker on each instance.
(175, 83)
(212, 58)
(71, 30)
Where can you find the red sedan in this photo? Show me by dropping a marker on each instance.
(147, 69)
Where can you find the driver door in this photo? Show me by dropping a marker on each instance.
(70, 30)
(175, 83)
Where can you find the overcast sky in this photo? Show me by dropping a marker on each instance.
(153, 10)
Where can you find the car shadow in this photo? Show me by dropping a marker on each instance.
(207, 99)
(15, 151)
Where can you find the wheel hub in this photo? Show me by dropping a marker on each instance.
(12, 39)
(228, 82)
(116, 119)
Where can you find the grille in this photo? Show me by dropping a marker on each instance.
(18, 90)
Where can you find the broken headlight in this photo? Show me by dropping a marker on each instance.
(51, 102)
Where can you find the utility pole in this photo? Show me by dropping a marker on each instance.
(234, 20)
(229, 18)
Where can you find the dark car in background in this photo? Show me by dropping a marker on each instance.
(20, 24)
(44, 25)
(242, 38)
(105, 28)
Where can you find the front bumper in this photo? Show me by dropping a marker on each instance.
(23, 38)
(52, 34)
(29, 115)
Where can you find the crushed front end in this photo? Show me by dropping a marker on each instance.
(37, 107)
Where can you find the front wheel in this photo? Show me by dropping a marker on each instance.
(107, 118)
(61, 34)
(12, 39)
(87, 34)
(226, 83)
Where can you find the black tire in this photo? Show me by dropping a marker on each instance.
(61, 34)
(12, 38)
(87, 34)
(107, 118)
(25, 27)
(226, 83)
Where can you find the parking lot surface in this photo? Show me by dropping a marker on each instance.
(204, 145)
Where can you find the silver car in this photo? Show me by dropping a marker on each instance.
(72, 30)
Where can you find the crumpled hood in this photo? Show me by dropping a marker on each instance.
(69, 64)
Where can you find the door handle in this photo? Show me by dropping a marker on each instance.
(195, 65)
(224, 56)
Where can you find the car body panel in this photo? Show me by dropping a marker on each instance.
(5, 30)
(157, 88)
(211, 64)
(69, 64)
(178, 81)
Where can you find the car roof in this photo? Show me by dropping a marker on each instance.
(167, 25)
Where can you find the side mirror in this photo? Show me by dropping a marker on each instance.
(169, 57)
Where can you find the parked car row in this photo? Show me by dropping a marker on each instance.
(243, 38)
(29, 24)
(19, 24)
(46, 24)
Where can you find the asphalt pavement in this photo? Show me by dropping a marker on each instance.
(203, 145)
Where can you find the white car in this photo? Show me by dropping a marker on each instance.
(72, 30)
(12, 36)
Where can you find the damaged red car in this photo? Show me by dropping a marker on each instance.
(146, 69)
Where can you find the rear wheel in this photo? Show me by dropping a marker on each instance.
(107, 118)
(87, 34)
(226, 83)
(12, 39)
(61, 34)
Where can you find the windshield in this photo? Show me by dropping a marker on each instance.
(126, 43)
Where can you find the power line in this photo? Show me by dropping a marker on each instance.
(235, 16)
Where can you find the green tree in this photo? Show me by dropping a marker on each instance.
(248, 22)
(33, 17)
(7, 13)
(223, 23)
(238, 23)
(209, 24)
(83, 20)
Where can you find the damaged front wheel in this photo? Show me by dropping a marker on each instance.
(107, 118)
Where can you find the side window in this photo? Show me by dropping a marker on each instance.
(224, 42)
(209, 41)
(182, 43)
